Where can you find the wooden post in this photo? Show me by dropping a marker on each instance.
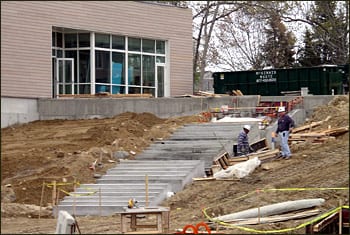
(53, 193)
(146, 181)
(100, 201)
(57, 199)
(74, 188)
(340, 217)
(258, 206)
(41, 198)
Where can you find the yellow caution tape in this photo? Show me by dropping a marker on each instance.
(280, 230)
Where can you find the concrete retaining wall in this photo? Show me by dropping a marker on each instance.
(18, 110)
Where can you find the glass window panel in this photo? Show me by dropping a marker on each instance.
(68, 89)
(160, 47)
(102, 63)
(118, 42)
(60, 71)
(148, 70)
(160, 59)
(134, 69)
(59, 54)
(134, 90)
(84, 39)
(102, 88)
(84, 89)
(118, 68)
(53, 52)
(160, 79)
(134, 44)
(149, 91)
(60, 89)
(102, 40)
(68, 71)
(84, 66)
(70, 40)
(148, 45)
(59, 40)
(73, 54)
(118, 89)
(53, 39)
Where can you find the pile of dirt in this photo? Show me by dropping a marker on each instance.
(63, 150)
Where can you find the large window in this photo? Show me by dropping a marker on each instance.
(122, 65)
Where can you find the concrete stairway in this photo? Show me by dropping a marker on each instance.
(169, 165)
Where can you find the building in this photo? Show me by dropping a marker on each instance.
(54, 48)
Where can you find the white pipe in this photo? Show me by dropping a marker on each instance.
(273, 209)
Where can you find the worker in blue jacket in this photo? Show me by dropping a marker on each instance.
(243, 146)
(285, 125)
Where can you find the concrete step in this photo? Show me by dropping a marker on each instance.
(169, 165)
(94, 209)
(104, 199)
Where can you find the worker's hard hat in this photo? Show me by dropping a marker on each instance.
(247, 127)
(281, 109)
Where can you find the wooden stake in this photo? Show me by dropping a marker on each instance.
(41, 198)
(100, 201)
(74, 188)
(57, 199)
(146, 181)
(53, 193)
(258, 206)
(340, 217)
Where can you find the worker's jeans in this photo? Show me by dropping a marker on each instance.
(284, 135)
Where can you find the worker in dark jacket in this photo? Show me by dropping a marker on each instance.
(242, 142)
(285, 125)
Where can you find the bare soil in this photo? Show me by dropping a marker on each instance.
(63, 150)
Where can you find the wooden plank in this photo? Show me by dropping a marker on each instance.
(306, 127)
(144, 232)
(262, 156)
(325, 222)
(204, 179)
(222, 160)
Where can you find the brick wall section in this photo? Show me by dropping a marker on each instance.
(26, 38)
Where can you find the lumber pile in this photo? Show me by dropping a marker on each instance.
(206, 94)
(237, 92)
(318, 136)
(310, 126)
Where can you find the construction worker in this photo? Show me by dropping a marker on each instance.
(285, 125)
(243, 147)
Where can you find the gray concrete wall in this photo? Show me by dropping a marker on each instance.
(109, 107)
(18, 110)
(22, 110)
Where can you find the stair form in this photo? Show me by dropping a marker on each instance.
(169, 165)
(113, 190)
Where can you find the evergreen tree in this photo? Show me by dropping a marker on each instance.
(330, 33)
(307, 56)
(278, 49)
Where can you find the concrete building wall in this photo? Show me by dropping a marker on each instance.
(26, 28)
